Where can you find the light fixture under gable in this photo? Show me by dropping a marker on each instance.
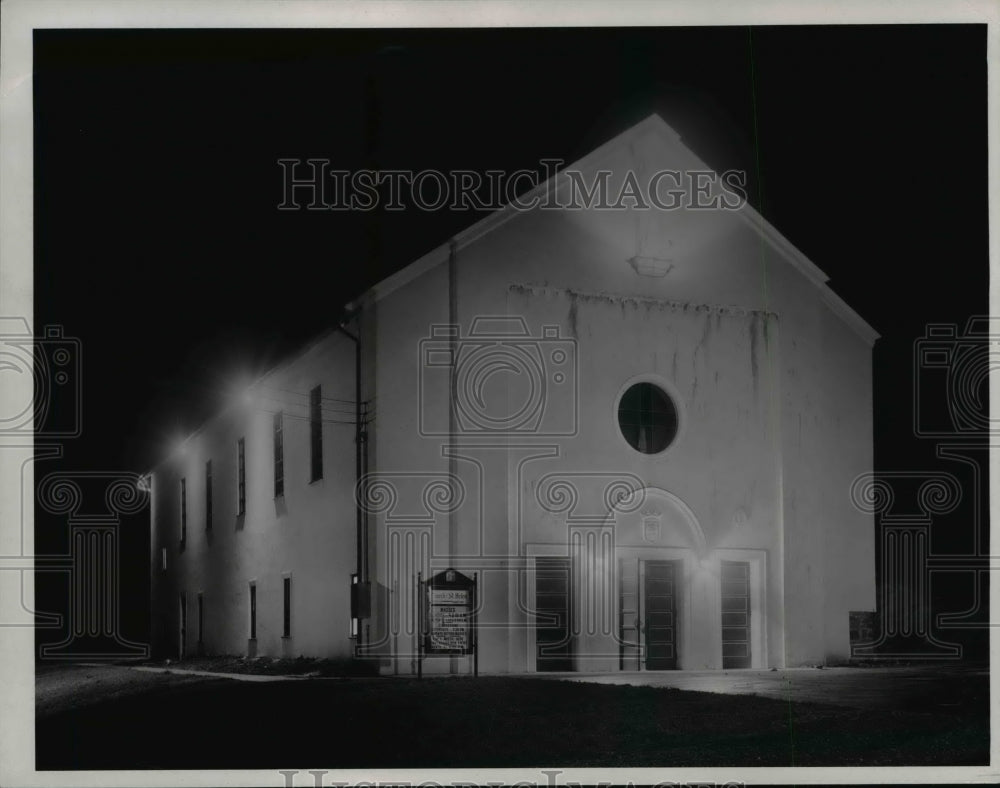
(651, 266)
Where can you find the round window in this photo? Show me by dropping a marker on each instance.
(647, 418)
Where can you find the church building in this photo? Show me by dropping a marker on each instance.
(613, 437)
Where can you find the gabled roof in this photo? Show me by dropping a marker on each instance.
(488, 223)
(785, 248)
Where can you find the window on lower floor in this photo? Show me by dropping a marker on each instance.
(182, 647)
(287, 625)
(253, 612)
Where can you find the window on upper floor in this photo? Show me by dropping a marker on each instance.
(279, 456)
(316, 434)
(208, 495)
(184, 511)
(241, 476)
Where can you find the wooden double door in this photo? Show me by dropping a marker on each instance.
(552, 605)
(659, 594)
(552, 610)
(735, 594)
(649, 596)
(660, 580)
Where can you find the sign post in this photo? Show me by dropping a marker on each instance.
(448, 620)
(475, 624)
(420, 625)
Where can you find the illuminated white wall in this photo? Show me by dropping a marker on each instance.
(307, 534)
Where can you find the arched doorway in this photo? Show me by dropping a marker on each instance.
(659, 545)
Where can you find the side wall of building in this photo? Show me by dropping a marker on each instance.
(306, 535)
(826, 443)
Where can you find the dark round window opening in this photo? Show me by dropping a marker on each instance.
(647, 418)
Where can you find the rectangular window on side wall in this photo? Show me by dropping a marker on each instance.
(182, 646)
(163, 559)
(184, 511)
(201, 618)
(253, 611)
(286, 630)
(279, 456)
(316, 434)
(241, 476)
(208, 495)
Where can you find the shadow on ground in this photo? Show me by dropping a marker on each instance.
(116, 718)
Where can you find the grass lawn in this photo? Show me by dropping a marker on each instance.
(484, 722)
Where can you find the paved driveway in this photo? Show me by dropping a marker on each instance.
(910, 688)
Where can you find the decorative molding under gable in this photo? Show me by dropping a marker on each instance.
(632, 300)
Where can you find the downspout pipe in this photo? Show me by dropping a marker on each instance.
(452, 404)
(452, 399)
(359, 441)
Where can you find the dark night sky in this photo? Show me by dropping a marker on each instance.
(158, 243)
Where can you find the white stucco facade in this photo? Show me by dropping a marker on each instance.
(542, 320)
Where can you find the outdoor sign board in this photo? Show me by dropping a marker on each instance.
(450, 603)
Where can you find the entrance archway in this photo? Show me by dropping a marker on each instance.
(659, 545)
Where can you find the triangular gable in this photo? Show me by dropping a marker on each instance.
(652, 124)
